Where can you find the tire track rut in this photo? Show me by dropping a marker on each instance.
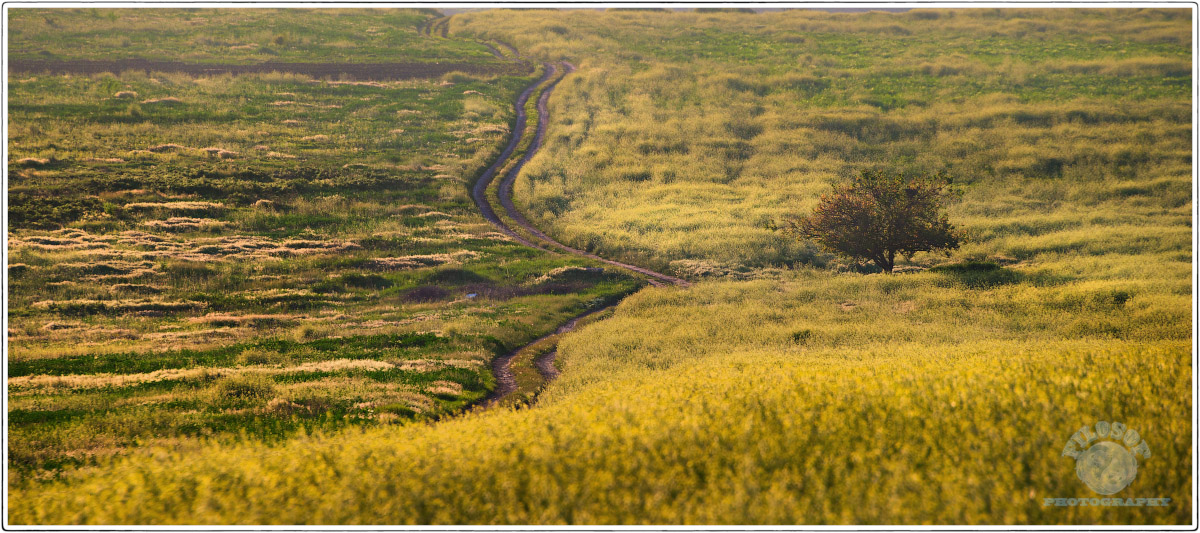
(479, 191)
(506, 186)
(505, 380)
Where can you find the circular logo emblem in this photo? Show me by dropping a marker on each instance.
(1106, 467)
(1106, 456)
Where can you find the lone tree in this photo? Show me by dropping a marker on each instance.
(880, 214)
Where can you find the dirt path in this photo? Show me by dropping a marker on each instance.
(545, 362)
(437, 27)
(479, 192)
(508, 47)
(506, 186)
(505, 381)
(495, 51)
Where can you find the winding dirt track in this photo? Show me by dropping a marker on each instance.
(505, 381)
(545, 362)
(506, 186)
(479, 192)
(495, 51)
(509, 47)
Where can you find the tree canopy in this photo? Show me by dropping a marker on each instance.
(879, 215)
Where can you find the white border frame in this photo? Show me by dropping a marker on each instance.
(107, 4)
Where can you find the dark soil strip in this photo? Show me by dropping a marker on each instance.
(545, 364)
(506, 186)
(479, 192)
(505, 382)
(360, 71)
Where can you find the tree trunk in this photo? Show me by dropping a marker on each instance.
(887, 262)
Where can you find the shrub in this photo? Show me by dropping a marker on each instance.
(243, 388)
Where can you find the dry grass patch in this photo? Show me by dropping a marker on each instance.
(250, 247)
(419, 261)
(168, 100)
(492, 128)
(179, 224)
(28, 384)
(445, 388)
(496, 236)
(168, 147)
(192, 207)
(59, 243)
(375, 84)
(139, 288)
(434, 214)
(103, 267)
(140, 238)
(219, 153)
(428, 365)
(85, 306)
(568, 273)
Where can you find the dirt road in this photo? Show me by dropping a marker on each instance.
(506, 186)
(505, 381)
(479, 192)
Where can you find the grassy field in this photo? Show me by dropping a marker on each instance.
(254, 255)
(685, 137)
(822, 398)
(234, 36)
(787, 388)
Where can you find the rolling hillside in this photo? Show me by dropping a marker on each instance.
(786, 385)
